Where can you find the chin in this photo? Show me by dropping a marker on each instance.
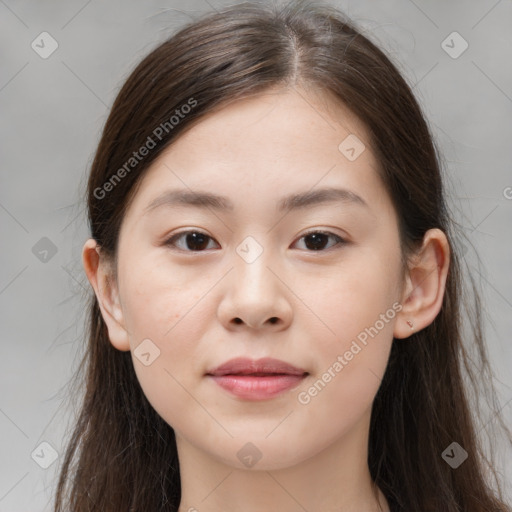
(261, 454)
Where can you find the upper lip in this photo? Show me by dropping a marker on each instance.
(265, 365)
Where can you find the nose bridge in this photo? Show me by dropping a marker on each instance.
(254, 295)
(251, 264)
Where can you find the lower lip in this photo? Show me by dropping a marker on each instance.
(251, 387)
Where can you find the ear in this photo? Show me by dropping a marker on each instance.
(100, 275)
(425, 283)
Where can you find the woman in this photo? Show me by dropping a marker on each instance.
(276, 323)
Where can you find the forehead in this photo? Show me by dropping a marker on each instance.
(275, 143)
(283, 121)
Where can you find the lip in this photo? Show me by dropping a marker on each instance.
(259, 379)
(246, 366)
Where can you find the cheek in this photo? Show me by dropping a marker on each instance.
(349, 367)
(169, 319)
(158, 301)
(357, 306)
(354, 297)
(160, 307)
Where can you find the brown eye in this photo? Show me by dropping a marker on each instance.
(317, 240)
(194, 241)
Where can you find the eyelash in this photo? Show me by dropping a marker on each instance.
(171, 241)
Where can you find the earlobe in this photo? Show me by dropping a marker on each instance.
(100, 277)
(425, 285)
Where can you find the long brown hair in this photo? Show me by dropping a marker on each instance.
(122, 455)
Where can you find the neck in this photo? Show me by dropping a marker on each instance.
(337, 479)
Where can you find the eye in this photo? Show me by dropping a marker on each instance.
(315, 240)
(195, 241)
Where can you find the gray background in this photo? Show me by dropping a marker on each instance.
(52, 111)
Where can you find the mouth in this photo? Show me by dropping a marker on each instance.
(260, 379)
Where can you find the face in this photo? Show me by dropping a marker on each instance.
(314, 283)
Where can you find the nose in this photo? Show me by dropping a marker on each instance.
(256, 296)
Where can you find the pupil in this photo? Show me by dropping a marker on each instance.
(317, 240)
(199, 241)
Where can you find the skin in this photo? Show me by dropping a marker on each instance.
(254, 151)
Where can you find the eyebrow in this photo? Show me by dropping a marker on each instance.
(208, 200)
